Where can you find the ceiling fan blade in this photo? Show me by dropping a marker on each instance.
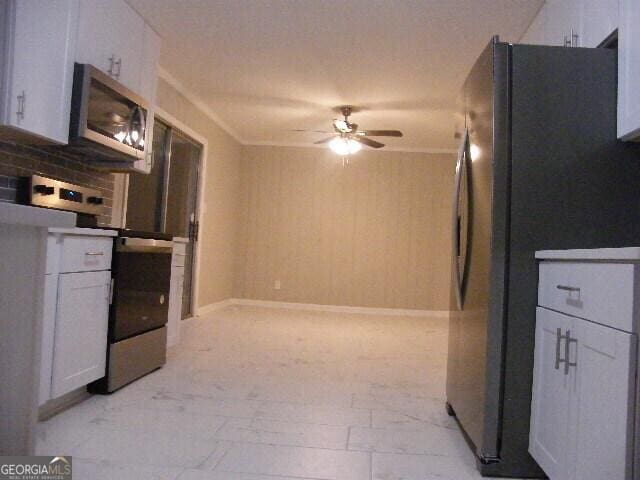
(381, 133)
(324, 140)
(368, 142)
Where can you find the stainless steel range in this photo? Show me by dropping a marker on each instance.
(141, 274)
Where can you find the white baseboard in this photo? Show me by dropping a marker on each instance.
(323, 308)
(212, 307)
(60, 404)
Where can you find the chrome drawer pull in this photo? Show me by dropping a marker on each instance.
(559, 338)
(94, 254)
(567, 288)
(567, 352)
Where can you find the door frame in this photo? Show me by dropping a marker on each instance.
(173, 122)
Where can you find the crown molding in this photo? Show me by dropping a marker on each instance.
(198, 103)
(206, 110)
(386, 149)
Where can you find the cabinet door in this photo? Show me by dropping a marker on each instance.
(48, 332)
(629, 70)
(40, 67)
(80, 347)
(549, 435)
(599, 18)
(108, 33)
(561, 18)
(175, 305)
(149, 64)
(604, 395)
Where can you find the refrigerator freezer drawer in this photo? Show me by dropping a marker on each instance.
(600, 292)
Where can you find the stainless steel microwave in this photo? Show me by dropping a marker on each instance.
(108, 121)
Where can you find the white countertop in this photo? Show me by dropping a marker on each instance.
(92, 232)
(15, 214)
(616, 254)
(180, 239)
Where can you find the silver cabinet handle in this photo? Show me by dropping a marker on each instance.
(567, 352)
(567, 288)
(21, 103)
(112, 60)
(94, 254)
(559, 338)
(118, 63)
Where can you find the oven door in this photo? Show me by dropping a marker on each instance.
(141, 274)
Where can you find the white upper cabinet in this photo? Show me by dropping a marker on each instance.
(110, 37)
(37, 69)
(599, 19)
(562, 23)
(629, 70)
(149, 65)
(573, 23)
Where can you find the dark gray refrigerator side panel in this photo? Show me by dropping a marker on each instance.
(574, 185)
(466, 369)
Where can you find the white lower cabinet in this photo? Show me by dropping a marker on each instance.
(80, 346)
(583, 404)
(176, 289)
(76, 311)
(603, 418)
(550, 409)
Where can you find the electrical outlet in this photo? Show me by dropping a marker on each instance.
(277, 285)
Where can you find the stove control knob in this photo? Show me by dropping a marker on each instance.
(95, 200)
(44, 189)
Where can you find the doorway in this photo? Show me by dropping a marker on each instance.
(166, 200)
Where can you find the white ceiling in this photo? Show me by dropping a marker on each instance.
(265, 67)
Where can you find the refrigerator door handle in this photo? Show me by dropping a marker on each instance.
(456, 226)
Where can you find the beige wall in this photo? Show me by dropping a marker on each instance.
(374, 233)
(220, 219)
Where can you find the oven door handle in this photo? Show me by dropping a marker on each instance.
(144, 245)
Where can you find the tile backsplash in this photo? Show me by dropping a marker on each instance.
(17, 160)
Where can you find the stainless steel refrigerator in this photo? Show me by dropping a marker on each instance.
(539, 167)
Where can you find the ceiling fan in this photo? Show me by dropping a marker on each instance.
(347, 139)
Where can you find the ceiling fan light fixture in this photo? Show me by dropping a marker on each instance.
(344, 146)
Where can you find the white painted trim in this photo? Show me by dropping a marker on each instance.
(386, 149)
(213, 307)
(119, 206)
(197, 102)
(201, 105)
(201, 205)
(403, 312)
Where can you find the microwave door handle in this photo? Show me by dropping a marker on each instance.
(143, 126)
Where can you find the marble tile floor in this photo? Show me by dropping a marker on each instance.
(268, 394)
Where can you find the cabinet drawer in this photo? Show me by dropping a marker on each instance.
(600, 292)
(84, 254)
